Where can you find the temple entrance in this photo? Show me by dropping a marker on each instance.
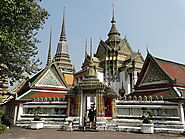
(91, 92)
(89, 102)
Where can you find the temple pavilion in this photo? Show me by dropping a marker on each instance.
(117, 65)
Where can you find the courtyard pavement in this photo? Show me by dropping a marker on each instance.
(21, 133)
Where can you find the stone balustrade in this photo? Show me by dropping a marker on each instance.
(48, 99)
(141, 98)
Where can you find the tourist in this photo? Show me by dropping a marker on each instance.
(91, 116)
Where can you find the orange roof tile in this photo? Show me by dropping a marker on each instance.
(69, 78)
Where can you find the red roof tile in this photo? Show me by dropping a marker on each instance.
(174, 70)
(48, 95)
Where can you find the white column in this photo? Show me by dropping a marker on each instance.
(128, 91)
(81, 108)
(181, 111)
(15, 115)
(134, 79)
(20, 111)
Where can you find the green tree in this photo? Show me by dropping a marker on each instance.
(19, 24)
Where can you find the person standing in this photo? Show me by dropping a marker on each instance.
(91, 116)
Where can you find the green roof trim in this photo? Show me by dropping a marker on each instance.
(27, 96)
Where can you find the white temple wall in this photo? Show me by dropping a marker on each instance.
(53, 112)
(167, 116)
(125, 80)
(115, 86)
(161, 110)
(100, 76)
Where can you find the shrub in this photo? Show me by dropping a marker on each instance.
(37, 118)
(1, 116)
(2, 128)
(146, 115)
(147, 121)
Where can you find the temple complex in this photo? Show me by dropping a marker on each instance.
(115, 81)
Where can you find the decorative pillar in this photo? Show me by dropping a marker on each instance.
(181, 111)
(134, 79)
(81, 107)
(78, 105)
(97, 103)
(105, 70)
(101, 103)
(100, 106)
(15, 114)
(114, 110)
(20, 112)
(68, 106)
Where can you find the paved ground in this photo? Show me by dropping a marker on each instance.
(20, 133)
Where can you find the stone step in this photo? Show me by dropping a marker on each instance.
(169, 126)
(47, 124)
(169, 130)
(53, 126)
(128, 128)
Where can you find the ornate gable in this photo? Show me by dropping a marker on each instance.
(51, 78)
(101, 49)
(139, 58)
(125, 48)
(153, 74)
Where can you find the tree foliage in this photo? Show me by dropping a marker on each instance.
(19, 24)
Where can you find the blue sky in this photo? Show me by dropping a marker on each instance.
(158, 24)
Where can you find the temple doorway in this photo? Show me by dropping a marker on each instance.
(90, 102)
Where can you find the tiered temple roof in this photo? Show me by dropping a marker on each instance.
(91, 81)
(161, 77)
